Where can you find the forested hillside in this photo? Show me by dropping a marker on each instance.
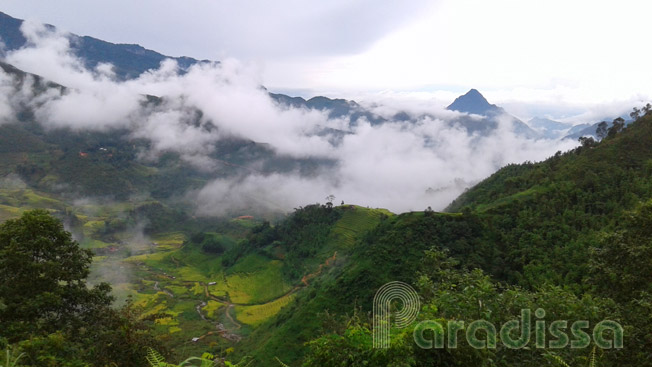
(570, 236)
(567, 235)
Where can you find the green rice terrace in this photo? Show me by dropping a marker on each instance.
(204, 282)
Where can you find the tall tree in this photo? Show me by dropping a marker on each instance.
(43, 278)
(601, 131)
(621, 268)
(618, 126)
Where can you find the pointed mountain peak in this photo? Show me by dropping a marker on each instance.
(473, 102)
(474, 93)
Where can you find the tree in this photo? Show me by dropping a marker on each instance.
(618, 126)
(586, 141)
(601, 131)
(212, 245)
(647, 109)
(43, 278)
(620, 267)
(635, 114)
(329, 201)
(48, 312)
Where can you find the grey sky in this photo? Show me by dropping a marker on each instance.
(256, 29)
(569, 55)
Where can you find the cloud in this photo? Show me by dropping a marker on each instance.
(394, 165)
(6, 89)
(400, 165)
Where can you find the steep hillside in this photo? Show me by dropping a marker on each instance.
(531, 235)
(542, 218)
(530, 230)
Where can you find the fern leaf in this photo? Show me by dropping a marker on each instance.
(558, 359)
(592, 358)
(154, 358)
(281, 363)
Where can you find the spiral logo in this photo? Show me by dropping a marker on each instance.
(383, 315)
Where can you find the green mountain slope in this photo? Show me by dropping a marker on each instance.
(531, 235)
(541, 218)
(532, 229)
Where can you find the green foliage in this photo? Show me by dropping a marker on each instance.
(354, 349)
(450, 292)
(10, 358)
(592, 359)
(155, 359)
(540, 220)
(43, 278)
(570, 234)
(213, 243)
(617, 126)
(56, 350)
(49, 313)
(621, 267)
(158, 217)
(299, 237)
(527, 238)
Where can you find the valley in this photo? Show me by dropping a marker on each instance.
(160, 211)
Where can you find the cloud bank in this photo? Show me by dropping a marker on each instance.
(399, 165)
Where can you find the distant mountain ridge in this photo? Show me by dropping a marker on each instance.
(129, 60)
(336, 107)
(473, 102)
(548, 128)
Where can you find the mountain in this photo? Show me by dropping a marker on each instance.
(584, 130)
(475, 103)
(129, 60)
(472, 102)
(569, 234)
(577, 128)
(105, 163)
(547, 124)
(337, 108)
(534, 235)
(531, 235)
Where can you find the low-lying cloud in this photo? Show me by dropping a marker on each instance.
(399, 165)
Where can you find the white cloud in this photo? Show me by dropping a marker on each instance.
(6, 89)
(398, 165)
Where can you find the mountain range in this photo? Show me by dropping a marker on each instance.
(129, 60)
(569, 236)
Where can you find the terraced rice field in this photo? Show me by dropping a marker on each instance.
(355, 221)
(256, 315)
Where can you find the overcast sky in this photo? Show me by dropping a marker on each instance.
(552, 55)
